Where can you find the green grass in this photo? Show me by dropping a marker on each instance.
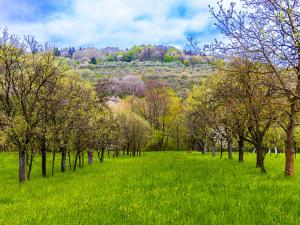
(158, 188)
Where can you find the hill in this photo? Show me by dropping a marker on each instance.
(177, 76)
(142, 53)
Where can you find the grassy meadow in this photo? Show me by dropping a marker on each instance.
(157, 188)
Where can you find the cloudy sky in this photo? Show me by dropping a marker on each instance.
(101, 23)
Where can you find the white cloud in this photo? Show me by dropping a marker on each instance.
(112, 23)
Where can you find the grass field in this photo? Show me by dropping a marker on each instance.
(158, 188)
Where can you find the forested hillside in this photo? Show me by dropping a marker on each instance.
(141, 53)
(177, 76)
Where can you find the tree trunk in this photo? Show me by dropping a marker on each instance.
(127, 148)
(22, 165)
(30, 166)
(90, 157)
(221, 148)
(290, 141)
(260, 157)
(79, 156)
(69, 156)
(44, 155)
(213, 150)
(53, 162)
(204, 149)
(75, 161)
(102, 155)
(229, 144)
(241, 148)
(63, 159)
(29, 161)
(99, 157)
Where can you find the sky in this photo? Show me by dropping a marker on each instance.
(113, 23)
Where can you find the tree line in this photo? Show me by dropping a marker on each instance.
(142, 53)
(262, 46)
(251, 101)
(46, 107)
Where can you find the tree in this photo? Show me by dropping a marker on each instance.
(237, 102)
(136, 132)
(269, 33)
(251, 101)
(93, 60)
(176, 128)
(71, 51)
(132, 85)
(27, 80)
(56, 52)
(199, 119)
(154, 108)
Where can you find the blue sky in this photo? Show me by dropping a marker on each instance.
(101, 23)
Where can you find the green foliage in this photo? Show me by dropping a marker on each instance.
(154, 53)
(186, 62)
(135, 132)
(168, 58)
(157, 137)
(111, 57)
